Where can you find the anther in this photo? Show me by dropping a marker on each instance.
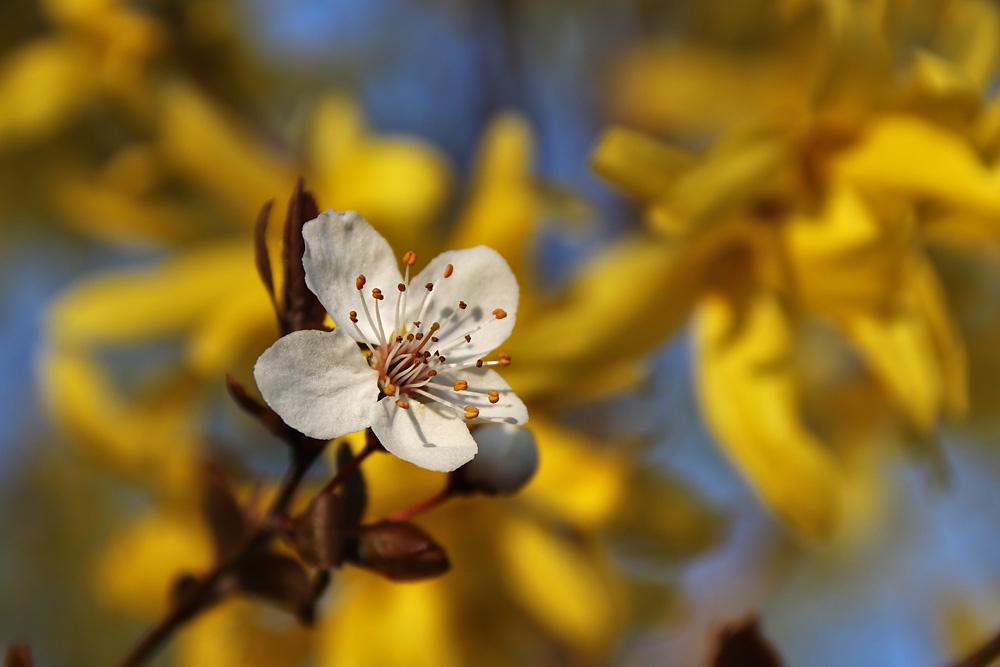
(431, 373)
(389, 389)
(401, 287)
(434, 339)
(401, 403)
(479, 363)
(409, 337)
(471, 412)
(500, 313)
(360, 282)
(461, 385)
(429, 286)
(416, 325)
(377, 294)
(494, 395)
(410, 258)
(399, 339)
(354, 316)
(468, 338)
(448, 270)
(504, 359)
(462, 305)
(419, 336)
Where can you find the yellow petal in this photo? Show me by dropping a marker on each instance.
(910, 156)
(243, 633)
(560, 583)
(42, 86)
(932, 304)
(502, 210)
(399, 184)
(577, 478)
(637, 163)
(214, 150)
(235, 331)
(844, 259)
(374, 622)
(749, 394)
(132, 306)
(141, 563)
(628, 300)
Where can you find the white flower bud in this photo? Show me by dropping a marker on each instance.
(507, 460)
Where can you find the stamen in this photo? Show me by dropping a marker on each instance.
(409, 258)
(419, 336)
(461, 385)
(448, 270)
(479, 363)
(500, 313)
(354, 316)
(399, 300)
(377, 294)
(360, 282)
(401, 403)
(494, 395)
(389, 389)
(471, 412)
(364, 306)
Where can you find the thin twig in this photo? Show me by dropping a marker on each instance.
(202, 592)
(422, 506)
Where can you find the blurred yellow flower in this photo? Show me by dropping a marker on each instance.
(818, 208)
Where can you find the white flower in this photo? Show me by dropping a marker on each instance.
(419, 376)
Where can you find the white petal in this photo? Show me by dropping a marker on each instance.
(319, 382)
(508, 410)
(339, 248)
(482, 279)
(430, 436)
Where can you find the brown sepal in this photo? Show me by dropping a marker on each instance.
(316, 534)
(302, 309)
(226, 520)
(262, 257)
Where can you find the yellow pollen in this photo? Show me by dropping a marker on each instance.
(504, 359)
(500, 313)
(461, 385)
(494, 395)
(448, 270)
(471, 412)
(377, 294)
(354, 316)
(410, 258)
(401, 403)
(360, 282)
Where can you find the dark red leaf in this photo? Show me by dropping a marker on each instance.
(226, 521)
(742, 645)
(261, 256)
(18, 655)
(399, 551)
(316, 533)
(280, 580)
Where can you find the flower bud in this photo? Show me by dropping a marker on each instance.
(507, 460)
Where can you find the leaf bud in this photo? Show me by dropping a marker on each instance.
(399, 551)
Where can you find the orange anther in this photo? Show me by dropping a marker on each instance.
(360, 282)
(500, 313)
(461, 385)
(504, 359)
(390, 389)
(479, 363)
(401, 403)
(471, 412)
(468, 338)
(462, 305)
(448, 270)
(401, 287)
(410, 258)
(377, 294)
(429, 286)
(494, 395)
(354, 316)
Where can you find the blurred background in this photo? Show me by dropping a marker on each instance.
(758, 244)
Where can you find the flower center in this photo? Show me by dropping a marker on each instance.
(410, 359)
